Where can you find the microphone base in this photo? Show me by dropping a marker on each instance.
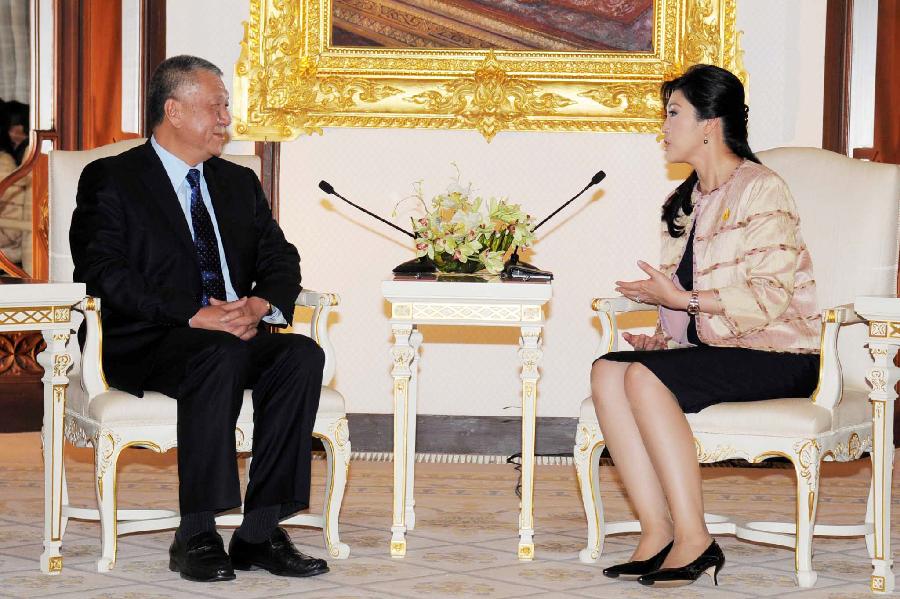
(416, 266)
(515, 270)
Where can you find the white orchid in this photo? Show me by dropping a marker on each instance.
(462, 234)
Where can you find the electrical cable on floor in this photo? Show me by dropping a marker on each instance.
(516, 460)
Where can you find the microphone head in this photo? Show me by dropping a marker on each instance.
(600, 176)
(326, 187)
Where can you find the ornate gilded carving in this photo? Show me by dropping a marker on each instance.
(491, 99)
(854, 448)
(36, 315)
(341, 432)
(886, 329)
(401, 311)
(75, 433)
(485, 312)
(721, 452)
(61, 363)
(289, 81)
(55, 565)
(105, 443)
(808, 455)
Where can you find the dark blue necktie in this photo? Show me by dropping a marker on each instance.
(205, 243)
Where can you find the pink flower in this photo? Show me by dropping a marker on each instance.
(421, 246)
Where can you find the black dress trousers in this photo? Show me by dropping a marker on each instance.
(207, 372)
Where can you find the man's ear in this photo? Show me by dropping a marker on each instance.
(172, 111)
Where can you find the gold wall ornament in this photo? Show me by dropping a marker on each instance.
(290, 80)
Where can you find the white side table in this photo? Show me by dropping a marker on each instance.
(493, 303)
(883, 314)
(47, 307)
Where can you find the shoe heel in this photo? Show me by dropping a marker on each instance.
(241, 565)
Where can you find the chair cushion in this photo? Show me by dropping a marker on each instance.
(117, 408)
(787, 417)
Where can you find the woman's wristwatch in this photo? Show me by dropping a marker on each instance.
(693, 307)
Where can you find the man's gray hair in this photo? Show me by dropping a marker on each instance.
(168, 77)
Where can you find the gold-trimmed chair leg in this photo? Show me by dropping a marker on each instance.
(806, 465)
(588, 445)
(337, 452)
(106, 457)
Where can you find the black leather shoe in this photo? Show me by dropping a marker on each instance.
(277, 554)
(710, 561)
(201, 558)
(632, 570)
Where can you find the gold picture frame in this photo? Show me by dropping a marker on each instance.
(290, 81)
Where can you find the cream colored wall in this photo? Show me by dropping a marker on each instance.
(590, 245)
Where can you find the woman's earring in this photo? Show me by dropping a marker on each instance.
(705, 140)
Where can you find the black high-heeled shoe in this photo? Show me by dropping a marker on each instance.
(710, 561)
(633, 570)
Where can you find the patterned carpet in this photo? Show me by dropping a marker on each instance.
(464, 544)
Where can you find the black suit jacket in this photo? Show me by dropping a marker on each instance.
(132, 247)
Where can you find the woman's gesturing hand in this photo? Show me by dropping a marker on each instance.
(645, 342)
(658, 290)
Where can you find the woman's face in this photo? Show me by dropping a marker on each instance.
(682, 133)
(17, 134)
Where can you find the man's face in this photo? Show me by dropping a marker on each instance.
(202, 117)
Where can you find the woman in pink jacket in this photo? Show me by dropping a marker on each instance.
(738, 322)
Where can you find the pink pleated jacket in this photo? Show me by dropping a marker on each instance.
(749, 251)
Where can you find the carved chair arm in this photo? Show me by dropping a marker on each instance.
(322, 303)
(92, 377)
(606, 309)
(828, 391)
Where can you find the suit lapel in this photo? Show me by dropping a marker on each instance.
(221, 201)
(154, 176)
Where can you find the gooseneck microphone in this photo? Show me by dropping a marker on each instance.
(327, 188)
(522, 270)
(600, 176)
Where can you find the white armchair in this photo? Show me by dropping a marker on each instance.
(849, 214)
(111, 420)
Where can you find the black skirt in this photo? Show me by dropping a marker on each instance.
(702, 376)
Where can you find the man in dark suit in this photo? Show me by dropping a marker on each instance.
(181, 247)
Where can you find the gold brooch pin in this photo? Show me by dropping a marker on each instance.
(726, 215)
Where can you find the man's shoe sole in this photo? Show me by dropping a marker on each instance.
(173, 566)
(251, 566)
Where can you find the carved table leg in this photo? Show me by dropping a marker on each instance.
(530, 353)
(415, 340)
(883, 376)
(402, 354)
(56, 362)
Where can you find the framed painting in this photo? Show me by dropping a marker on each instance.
(486, 65)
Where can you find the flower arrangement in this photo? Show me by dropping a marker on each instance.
(465, 234)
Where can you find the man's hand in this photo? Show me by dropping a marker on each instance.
(240, 317)
(645, 342)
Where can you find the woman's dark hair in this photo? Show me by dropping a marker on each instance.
(14, 113)
(5, 141)
(713, 92)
